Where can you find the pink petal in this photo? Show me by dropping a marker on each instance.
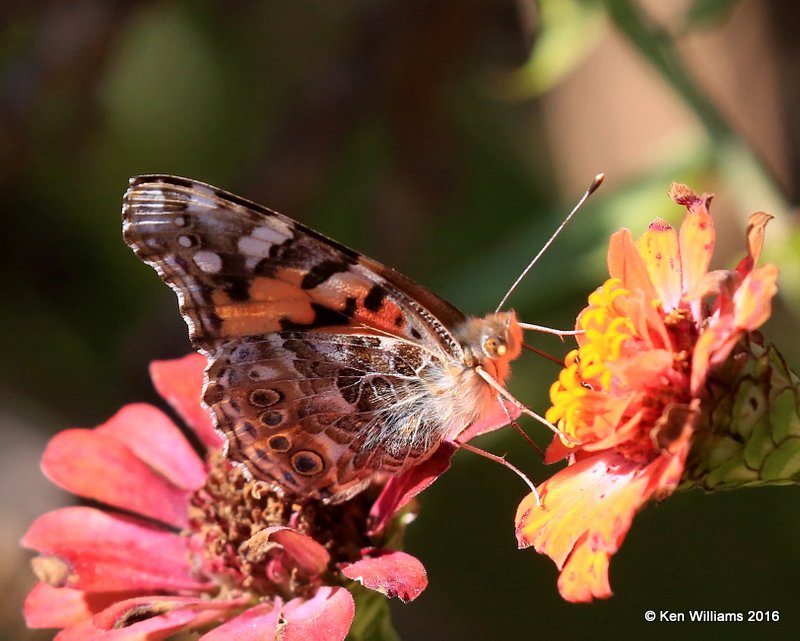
(130, 612)
(150, 618)
(49, 607)
(180, 383)
(153, 629)
(390, 572)
(95, 551)
(97, 466)
(328, 615)
(259, 623)
(309, 555)
(157, 441)
(401, 489)
(495, 419)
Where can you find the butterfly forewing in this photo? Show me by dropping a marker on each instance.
(240, 269)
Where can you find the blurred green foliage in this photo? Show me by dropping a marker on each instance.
(413, 132)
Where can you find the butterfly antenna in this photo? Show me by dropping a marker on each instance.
(598, 180)
(561, 333)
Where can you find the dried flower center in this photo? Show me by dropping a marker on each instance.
(229, 511)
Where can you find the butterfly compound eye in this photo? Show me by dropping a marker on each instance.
(494, 347)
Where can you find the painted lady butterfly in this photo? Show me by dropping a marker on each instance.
(325, 368)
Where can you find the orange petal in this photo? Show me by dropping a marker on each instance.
(696, 244)
(752, 306)
(716, 339)
(646, 319)
(625, 263)
(596, 497)
(587, 510)
(752, 301)
(756, 225)
(585, 576)
(659, 248)
(645, 370)
(716, 282)
(620, 433)
(557, 451)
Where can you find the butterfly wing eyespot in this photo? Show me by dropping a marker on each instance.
(325, 366)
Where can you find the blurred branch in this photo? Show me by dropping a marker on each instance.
(657, 46)
(567, 30)
(753, 183)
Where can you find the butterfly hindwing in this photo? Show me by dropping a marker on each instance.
(321, 413)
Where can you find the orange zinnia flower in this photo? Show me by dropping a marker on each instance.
(631, 399)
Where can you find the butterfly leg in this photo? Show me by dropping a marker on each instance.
(504, 463)
(517, 427)
(504, 393)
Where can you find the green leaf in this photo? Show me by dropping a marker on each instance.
(373, 621)
(568, 31)
(784, 462)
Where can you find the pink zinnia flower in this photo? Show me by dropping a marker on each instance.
(181, 543)
(637, 394)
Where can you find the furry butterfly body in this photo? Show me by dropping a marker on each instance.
(326, 369)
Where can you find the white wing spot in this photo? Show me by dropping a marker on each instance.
(210, 262)
(253, 247)
(263, 372)
(153, 194)
(179, 221)
(184, 241)
(275, 232)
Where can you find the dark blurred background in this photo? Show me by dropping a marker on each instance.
(447, 139)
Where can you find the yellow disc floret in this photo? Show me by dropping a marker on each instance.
(589, 369)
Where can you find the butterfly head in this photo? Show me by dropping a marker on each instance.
(491, 342)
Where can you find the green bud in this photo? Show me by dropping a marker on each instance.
(748, 433)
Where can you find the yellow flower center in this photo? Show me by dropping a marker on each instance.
(588, 370)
